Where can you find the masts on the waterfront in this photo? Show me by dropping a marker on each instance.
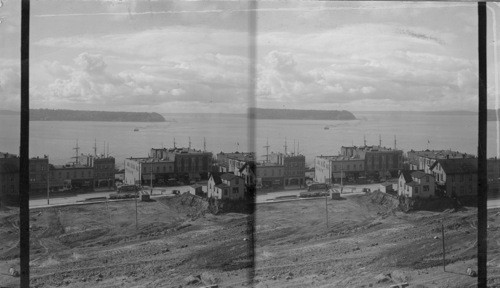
(204, 144)
(395, 142)
(285, 146)
(267, 150)
(189, 146)
(76, 152)
(95, 147)
(379, 140)
(174, 143)
(364, 140)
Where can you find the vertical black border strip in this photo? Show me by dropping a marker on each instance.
(481, 151)
(251, 129)
(24, 232)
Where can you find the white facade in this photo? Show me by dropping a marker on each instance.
(422, 185)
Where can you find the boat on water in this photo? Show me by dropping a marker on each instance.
(136, 129)
(326, 128)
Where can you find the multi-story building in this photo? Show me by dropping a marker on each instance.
(143, 170)
(188, 163)
(9, 177)
(104, 169)
(416, 184)
(39, 174)
(232, 162)
(456, 177)
(423, 160)
(73, 175)
(329, 169)
(294, 167)
(226, 186)
(380, 162)
(270, 176)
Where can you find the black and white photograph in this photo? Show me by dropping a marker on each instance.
(149, 143)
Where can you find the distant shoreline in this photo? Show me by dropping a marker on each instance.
(292, 114)
(82, 115)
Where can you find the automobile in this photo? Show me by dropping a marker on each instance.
(176, 192)
(366, 190)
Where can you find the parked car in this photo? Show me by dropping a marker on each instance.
(176, 192)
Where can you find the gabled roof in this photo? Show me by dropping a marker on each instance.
(407, 175)
(412, 184)
(222, 185)
(418, 174)
(457, 165)
(216, 177)
(228, 176)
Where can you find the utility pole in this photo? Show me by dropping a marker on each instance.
(136, 221)
(341, 174)
(48, 184)
(151, 177)
(107, 154)
(326, 208)
(444, 252)
(293, 146)
(298, 147)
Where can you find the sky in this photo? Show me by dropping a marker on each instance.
(193, 56)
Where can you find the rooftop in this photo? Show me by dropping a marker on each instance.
(7, 155)
(228, 176)
(457, 165)
(441, 154)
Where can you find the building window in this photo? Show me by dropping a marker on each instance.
(235, 190)
(426, 188)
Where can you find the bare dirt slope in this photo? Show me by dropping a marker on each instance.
(366, 244)
(98, 245)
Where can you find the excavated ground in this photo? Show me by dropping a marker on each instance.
(367, 243)
(98, 245)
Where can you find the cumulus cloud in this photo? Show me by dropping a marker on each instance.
(208, 78)
(10, 87)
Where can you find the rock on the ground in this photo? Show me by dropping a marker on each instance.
(208, 278)
(192, 279)
(400, 276)
(382, 278)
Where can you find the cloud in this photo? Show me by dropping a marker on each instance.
(208, 78)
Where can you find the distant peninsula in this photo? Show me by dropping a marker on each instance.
(104, 116)
(292, 114)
